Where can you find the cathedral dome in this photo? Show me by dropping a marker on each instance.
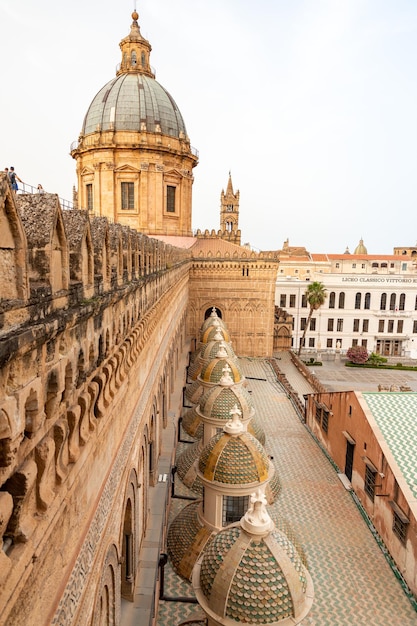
(134, 102)
(360, 248)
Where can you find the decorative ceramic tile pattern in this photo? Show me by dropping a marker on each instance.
(259, 591)
(396, 416)
(353, 584)
(234, 460)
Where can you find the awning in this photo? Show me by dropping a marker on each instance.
(348, 437)
(369, 464)
(399, 512)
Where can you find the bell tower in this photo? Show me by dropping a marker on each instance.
(229, 214)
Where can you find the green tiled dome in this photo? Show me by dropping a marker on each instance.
(209, 334)
(212, 320)
(206, 353)
(186, 468)
(192, 424)
(253, 579)
(187, 538)
(235, 460)
(213, 371)
(217, 402)
(194, 392)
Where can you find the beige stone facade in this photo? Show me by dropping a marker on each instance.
(134, 160)
(84, 398)
(240, 283)
(95, 317)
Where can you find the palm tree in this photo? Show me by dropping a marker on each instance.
(316, 295)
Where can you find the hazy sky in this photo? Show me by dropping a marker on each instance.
(311, 104)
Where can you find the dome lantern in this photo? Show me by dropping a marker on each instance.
(135, 52)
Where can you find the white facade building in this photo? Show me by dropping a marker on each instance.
(371, 301)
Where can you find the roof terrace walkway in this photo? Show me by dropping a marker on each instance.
(354, 584)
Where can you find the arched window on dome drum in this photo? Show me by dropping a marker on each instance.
(358, 299)
(402, 302)
(332, 300)
(342, 300)
(383, 304)
(392, 302)
(367, 304)
(133, 58)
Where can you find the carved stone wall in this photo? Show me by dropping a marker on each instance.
(240, 284)
(89, 344)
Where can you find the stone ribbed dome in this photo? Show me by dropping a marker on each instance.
(251, 573)
(234, 460)
(134, 102)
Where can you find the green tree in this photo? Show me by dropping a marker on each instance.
(315, 295)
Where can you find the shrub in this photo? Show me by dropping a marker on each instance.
(357, 354)
(376, 359)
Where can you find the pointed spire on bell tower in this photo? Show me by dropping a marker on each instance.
(136, 51)
(229, 213)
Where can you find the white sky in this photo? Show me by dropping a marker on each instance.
(312, 105)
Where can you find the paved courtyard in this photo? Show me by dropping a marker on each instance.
(354, 584)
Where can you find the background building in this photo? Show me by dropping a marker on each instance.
(371, 300)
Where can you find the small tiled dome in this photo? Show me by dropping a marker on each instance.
(192, 424)
(217, 402)
(251, 573)
(206, 353)
(234, 459)
(216, 368)
(194, 391)
(187, 538)
(187, 467)
(212, 320)
(210, 333)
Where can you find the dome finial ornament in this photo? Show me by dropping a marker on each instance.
(235, 425)
(226, 380)
(256, 519)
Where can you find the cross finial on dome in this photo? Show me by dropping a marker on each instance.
(256, 519)
(226, 380)
(221, 351)
(213, 312)
(235, 425)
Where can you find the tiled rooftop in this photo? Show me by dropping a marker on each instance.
(353, 583)
(396, 416)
